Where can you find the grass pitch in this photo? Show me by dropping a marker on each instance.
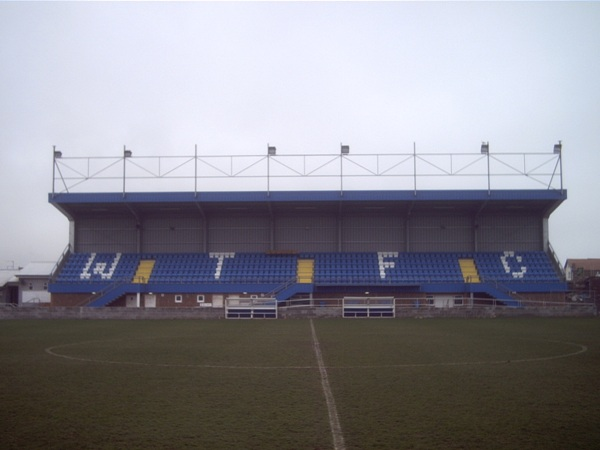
(403, 383)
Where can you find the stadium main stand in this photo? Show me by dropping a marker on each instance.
(181, 249)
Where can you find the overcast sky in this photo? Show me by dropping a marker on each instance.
(230, 77)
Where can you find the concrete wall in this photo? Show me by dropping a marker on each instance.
(124, 313)
(304, 312)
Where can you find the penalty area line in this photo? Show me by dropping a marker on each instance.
(334, 420)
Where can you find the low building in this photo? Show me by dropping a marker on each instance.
(33, 283)
(9, 286)
(579, 270)
(583, 276)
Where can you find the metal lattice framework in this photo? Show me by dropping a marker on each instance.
(272, 172)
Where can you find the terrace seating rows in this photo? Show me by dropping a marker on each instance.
(329, 268)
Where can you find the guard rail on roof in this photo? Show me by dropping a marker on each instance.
(279, 172)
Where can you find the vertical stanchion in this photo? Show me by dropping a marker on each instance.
(341, 174)
(415, 168)
(195, 170)
(126, 154)
(485, 149)
(271, 151)
(53, 167)
(124, 163)
(488, 173)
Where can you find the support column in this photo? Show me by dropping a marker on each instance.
(545, 235)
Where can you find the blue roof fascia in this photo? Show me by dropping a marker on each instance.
(114, 197)
(308, 196)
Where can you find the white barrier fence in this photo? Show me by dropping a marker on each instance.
(433, 302)
(250, 308)
(367, 307)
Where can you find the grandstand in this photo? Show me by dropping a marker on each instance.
(201, 247)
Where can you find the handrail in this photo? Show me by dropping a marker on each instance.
(422, 303)
(556, 261)
(108, 289)
(283, 286)
(501, 287)
(60, 262)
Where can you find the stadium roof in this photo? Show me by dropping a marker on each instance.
(590, 264)
(36, 269)
(8, 276)
(474, 202)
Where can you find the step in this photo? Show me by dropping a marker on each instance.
(469, 271)
(143, 272)
(305, 270)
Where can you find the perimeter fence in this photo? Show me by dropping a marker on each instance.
(314, 308)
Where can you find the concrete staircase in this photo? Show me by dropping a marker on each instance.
(110, 294)
(305, 270)
(144, 270)
(469, 271)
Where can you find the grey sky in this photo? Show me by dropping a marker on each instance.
(230, 77)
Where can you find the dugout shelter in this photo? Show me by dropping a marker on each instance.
(197, 231)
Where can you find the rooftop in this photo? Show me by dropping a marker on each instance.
(473, 202)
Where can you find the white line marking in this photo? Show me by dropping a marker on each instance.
(581, 349)
(334, 420)
(53, 351)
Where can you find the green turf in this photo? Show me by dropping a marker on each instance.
(440, 383)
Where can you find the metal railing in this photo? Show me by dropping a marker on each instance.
(556, 262)
(60, 263)
(272, 172)
(466, 302)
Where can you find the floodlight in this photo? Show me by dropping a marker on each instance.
(57, 154)
(271, 150)
(345, 149)
(558, 147)
(485, 147)
(127, 153)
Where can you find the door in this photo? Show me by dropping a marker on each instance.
(217, 301)
(443, 301)
(150, 301)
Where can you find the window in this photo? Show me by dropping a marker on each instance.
(178, 298)
(458, 300)
(200, 298)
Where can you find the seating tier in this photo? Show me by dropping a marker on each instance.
(329, 268)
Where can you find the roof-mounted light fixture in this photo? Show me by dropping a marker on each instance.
(344, 149)
(271, 151)
(126, 154)
(558, 147)
(485, 150)
(56, 154)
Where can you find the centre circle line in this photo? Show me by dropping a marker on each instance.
(52, 351)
